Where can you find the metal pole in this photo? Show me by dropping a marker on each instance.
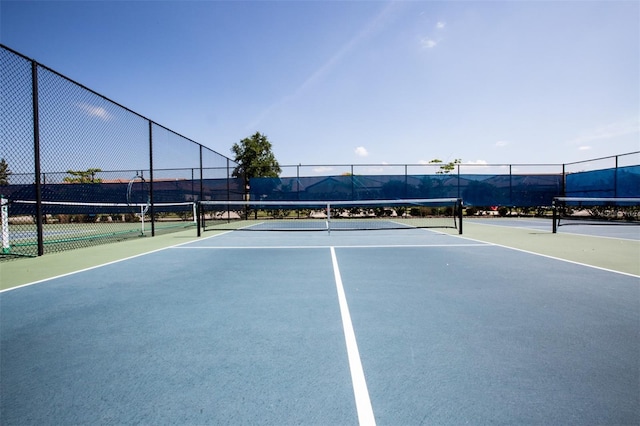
(228, 182)
(298, 187)
(510, 188)
(615, 179)
(353, 195)
(197, 213)
(458, 166)
(151, 209)
(4, 205)
(460, 215)
(229, 176)
(298, 181)
(406, 182)
(142, 220)
(36, 154)
(201, 196)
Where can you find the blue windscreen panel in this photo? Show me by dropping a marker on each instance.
(615, 182)
(476, 190)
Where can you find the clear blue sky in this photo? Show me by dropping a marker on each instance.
(342, 82)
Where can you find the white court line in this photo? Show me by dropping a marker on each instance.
(567, 232)
(102, 264)
(361, 393)
(557, 258)
(479, 244)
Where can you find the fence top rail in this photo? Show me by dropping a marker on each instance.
(426, 165)
(602, 158)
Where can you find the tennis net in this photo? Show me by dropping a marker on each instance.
(330, 215)
(78, 224)
(595, 211)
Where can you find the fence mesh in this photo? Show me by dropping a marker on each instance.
(117, 171)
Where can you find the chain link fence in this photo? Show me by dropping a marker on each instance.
(77, 169)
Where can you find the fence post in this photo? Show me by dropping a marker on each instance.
(458, 166)
(298, 182)
(201, 195)
(510, 188)
(406, 183)
(228, 181)
(353, 190)
(615, 179)
(36, 155)
(151, 209)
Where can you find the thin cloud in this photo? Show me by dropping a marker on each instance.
(95, 111)
(609, 131)
(584, 148)
(322, 169)
(376, 170)
(361, 151)
(428, 43)
(501, 144)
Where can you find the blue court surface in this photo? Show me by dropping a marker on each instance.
(387, 327)
(629, 231)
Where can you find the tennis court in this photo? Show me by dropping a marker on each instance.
(388, 327)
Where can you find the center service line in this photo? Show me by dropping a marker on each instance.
(360, 391)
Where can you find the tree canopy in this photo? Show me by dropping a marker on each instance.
(83, 176)
(4, 172)
(255, 158)
(446, 168)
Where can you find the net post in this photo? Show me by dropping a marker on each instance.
(6, 247)
(459, 207)
(329, 218)
(195, 213)
(554, 217)
(197, 206)
(142, 221)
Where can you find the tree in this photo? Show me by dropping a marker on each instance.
(83, 176)
(446, 168)
(4, 172)
(255, 158)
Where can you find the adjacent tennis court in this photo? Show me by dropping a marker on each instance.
(389, 327)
